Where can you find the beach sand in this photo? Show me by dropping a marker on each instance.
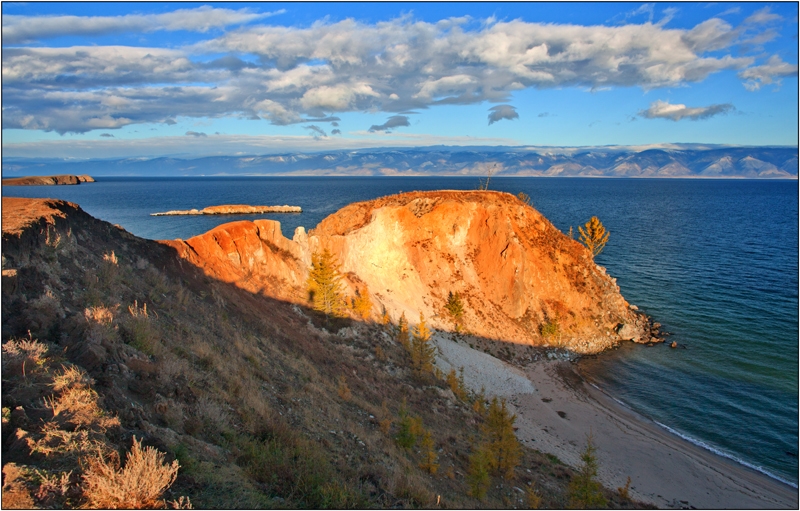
(556, 410)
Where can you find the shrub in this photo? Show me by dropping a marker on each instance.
(139, 485)
(402, 332)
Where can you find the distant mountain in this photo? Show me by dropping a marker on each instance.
(660, 162)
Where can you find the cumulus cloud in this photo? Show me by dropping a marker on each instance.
(288, 75)
(766, 74)
(195, 134)
(25, 29)
(664, 110)
(392, 122)
(500, 112)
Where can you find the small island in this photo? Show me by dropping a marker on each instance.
(235, 209)
(65, 179)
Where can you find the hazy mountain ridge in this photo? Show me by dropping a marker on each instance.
(688, 161)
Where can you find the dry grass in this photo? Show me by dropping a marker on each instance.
(140, 484)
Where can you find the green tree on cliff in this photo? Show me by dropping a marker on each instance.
(324, 284)
(456, 308)
(593, 235)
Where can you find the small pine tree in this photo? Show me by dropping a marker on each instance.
(584, 489)
(324, 284)
(386, 419)
(455, 307)
(502, 445)
(479, 403)
(362, 305)
(478, 474)
(402, 332)
(406, 437)
(593, 235)
(422, 353)
(430, 460)
(385, 319)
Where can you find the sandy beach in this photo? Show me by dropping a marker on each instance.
(556, 410)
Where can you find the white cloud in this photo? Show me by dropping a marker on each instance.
(500, 112)
(762, 16)
(25, 29)
(765, 74)
(664, 110)
(287, 74)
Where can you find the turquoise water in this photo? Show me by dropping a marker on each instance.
(715, 262)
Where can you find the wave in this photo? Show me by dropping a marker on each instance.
(724, 454)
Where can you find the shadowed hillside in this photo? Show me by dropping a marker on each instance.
(109, 339)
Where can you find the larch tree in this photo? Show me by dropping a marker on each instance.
(362, 305)
(324, 284)
(585, 492)
(593, 235)
(402, 332)
(501, 443)
(455, 307)
(422, 353)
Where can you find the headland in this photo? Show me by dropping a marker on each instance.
(66, 179)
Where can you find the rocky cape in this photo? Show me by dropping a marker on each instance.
(233, 209)
(514, 270)
(48, 180)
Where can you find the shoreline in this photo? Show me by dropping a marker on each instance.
(557, 408)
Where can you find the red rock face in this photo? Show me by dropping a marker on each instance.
(515, 271)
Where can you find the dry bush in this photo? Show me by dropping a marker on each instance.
(213, 415)
(100, 315)
(343, 390)
(140, 332)
(64, 447)
(140, 484)
(108, 272)
(22, 356)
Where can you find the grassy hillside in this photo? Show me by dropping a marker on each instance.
(109, 340)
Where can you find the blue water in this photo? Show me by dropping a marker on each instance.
(715, 262)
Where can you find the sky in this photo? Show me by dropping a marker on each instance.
(119, 80)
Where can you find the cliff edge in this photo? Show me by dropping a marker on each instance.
(521, 279)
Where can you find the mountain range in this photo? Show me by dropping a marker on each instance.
(663, 161)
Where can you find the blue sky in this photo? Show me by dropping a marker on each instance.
(115, 79)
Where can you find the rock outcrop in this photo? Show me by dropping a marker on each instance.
(521, 279)
(47, 180)
(233, 209)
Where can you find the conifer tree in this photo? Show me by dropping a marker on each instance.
(584, 489)
(324, 284)
(362, 305)
(593, 235)
(430, 460)
(456, 308)
(502, 445)
(402, 332)
(422, 353)
(478, 474)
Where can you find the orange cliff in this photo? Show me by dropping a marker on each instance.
(513, 269)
